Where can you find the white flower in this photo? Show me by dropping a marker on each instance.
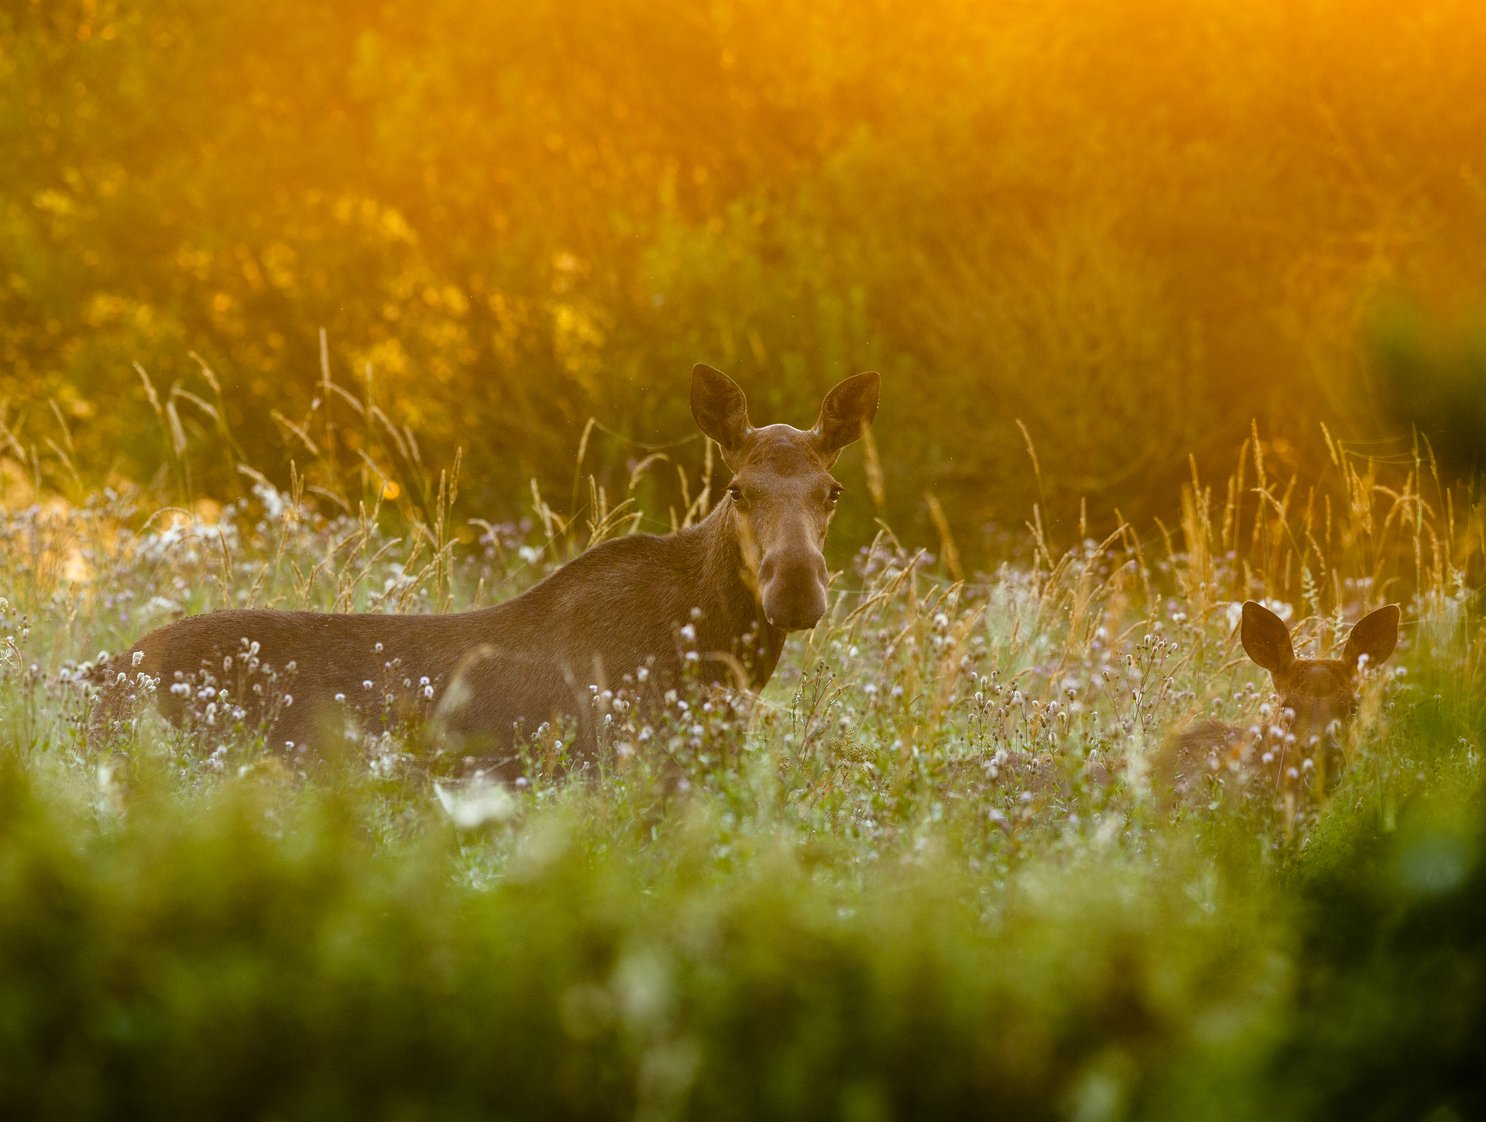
(476, 802)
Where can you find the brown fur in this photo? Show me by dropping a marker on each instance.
(613, 615)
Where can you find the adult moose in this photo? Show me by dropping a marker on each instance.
(728, 589)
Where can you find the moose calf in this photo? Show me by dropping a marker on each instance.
(1318, 695)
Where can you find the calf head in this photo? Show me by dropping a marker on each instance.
(782, 494)
(1317, 690)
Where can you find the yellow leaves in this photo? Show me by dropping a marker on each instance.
(375, 218)
(387, 357)
(281, 265)
(105, 308)
(576, 337)
(54, 202)
(455, 300)
(393, 226)
(109, 309)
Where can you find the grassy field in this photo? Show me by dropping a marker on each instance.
(388, 307)
(936, 870)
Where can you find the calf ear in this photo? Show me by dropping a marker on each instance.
(1375, 636)
(846, 412)
(1266, 638)
(720, 408)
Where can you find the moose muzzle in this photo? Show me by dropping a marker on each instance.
(792, 588)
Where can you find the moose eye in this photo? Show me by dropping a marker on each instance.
(735, 493)
(835, 495)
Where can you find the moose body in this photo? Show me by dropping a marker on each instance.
(711, 603)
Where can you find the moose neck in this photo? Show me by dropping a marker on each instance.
(732, 621)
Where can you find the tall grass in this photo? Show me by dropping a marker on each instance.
(932, 871)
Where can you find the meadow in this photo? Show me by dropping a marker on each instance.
(1177, 304)
(933, 871)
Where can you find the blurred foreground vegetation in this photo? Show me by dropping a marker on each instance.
(1133, 227)
(934, 872)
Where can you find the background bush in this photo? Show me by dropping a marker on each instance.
(1134, 227)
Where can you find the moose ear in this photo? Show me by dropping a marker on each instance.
(1375, 636)
(719, 407)
(1266, 638)
(847, 411)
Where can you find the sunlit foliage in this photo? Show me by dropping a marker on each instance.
(1133, 226)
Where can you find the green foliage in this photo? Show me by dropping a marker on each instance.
(1431, 369)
